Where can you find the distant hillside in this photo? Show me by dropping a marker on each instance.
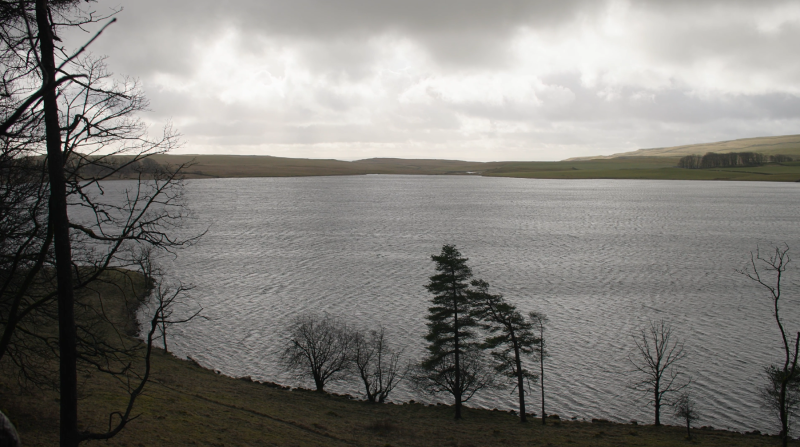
(659, 163)
(222, 166)
(785, 145)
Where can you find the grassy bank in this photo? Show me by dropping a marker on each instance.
(643, 168)
(185, 404)
(660, 168)
(775, 145)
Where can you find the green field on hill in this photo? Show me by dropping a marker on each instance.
(660, 164)
(661, 168)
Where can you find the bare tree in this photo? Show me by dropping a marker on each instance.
(164, 298)
(539, 320)
(320, 346)
(656, 360)
(133, 380)
(685, 410)
(511, 338)
(378, 364)
(782, 379)
(771, 394)
(25, 245)
(58, 103)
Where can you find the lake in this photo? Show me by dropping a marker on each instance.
(599, 257)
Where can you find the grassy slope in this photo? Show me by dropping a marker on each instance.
(658, 168)
(785, 145)
(221, 166)
(188, 405)
(643, 164)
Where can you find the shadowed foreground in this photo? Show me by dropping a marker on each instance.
(188, 405)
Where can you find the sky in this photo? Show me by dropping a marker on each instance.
(458, 79)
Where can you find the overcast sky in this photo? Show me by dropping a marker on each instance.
(459, 79)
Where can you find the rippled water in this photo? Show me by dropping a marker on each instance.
(599, 257)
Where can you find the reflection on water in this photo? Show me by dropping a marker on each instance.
(598, 257)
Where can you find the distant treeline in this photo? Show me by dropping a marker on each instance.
(729, 160)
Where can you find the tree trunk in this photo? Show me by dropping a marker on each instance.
(457, 359)
(541, 380)
(164, 333)
(688, 430)
(520, 383)
(320, 385)
(782, 410)
(657, 406)
(59, 222)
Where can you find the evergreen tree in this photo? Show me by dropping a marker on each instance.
(453, 363)
(538, 320)
(511, 336)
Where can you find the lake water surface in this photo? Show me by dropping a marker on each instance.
(599, 257)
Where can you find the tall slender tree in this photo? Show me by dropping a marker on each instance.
(685, 410)
(511, 338)
(59, 222)
(783, 379)
(453, 364)
(78, 119)
(539, 320)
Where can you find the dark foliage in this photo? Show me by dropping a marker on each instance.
(728, 160)
(512, 339)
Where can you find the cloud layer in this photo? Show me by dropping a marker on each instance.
(466, 79)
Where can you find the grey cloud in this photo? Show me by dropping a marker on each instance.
(160, 35)
(339, 42)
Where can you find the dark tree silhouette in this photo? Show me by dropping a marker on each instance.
(656, 360)
(782, 379)
(320, 346)
(727, 160)
(780, 158)
(778, 383)
(511, 338)
(685, 410)
(164, 297)
(378, 364)
(448, 367)
(77, 118)
(539, 320)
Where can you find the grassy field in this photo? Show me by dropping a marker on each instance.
(224, 166)
(654, 168)
(783, 145)
(185, 404)
(662, 168)
(659, 163)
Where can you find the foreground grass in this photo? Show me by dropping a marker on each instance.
(189, 405)
(185, 404)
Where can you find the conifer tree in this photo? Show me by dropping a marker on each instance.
(511, 338)
(453, 363)
(538, 320)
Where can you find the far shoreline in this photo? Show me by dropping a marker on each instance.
(632, 168)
